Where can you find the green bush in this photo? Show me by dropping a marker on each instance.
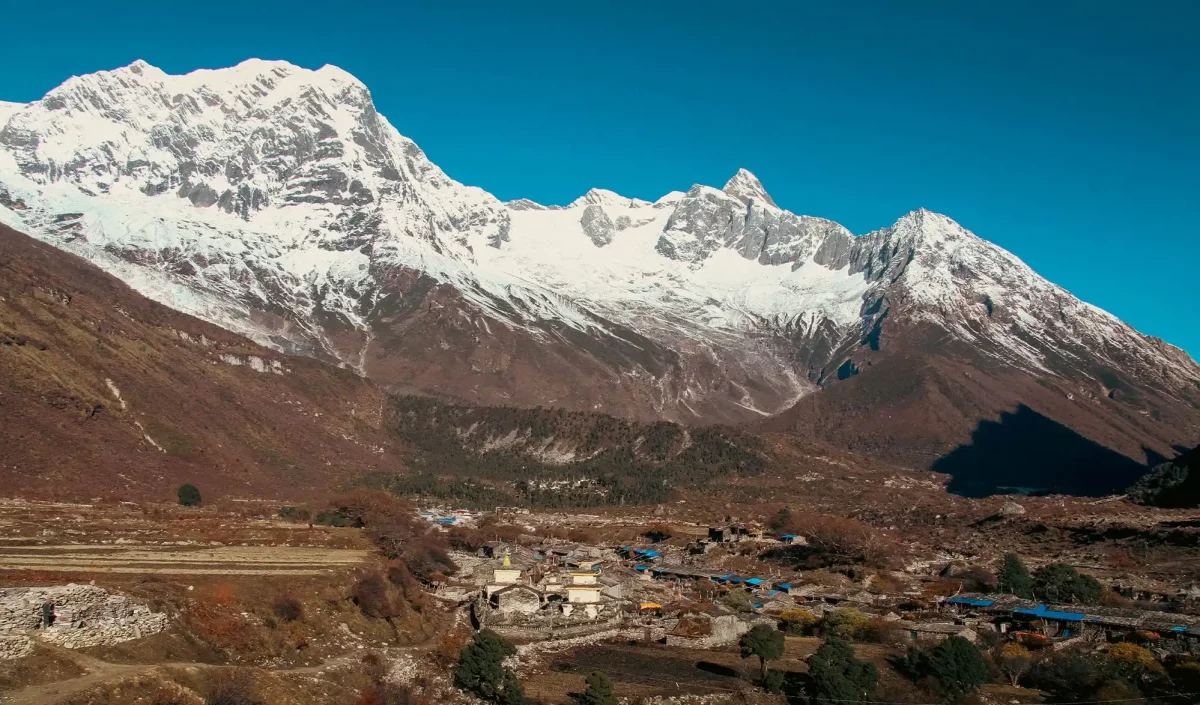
(599, 691)
(1058, 582)
(481, 670)
(959, 666)
(189, 496)
(836, 676)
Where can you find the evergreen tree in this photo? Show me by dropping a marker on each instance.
(189, 496)
(481, 669)
(838, 677)
(1059, 582)
(599, 691)
(782, 521)
(764, 642)
(1014, 577)
(959, 666)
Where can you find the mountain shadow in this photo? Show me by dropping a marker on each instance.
(1028, 453)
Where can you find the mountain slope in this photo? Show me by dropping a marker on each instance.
(105, 393)
(1174, 483)
(276, 202)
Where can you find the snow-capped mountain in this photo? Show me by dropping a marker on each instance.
(276, 202)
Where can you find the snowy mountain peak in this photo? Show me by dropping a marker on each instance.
(274, 200)
(746, 187)
(604, 197)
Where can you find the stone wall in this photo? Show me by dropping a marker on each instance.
(83, 615)
(726, 629)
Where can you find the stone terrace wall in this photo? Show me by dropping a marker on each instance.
(84, 615)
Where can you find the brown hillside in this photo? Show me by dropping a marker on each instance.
(106, 393)
(927, 403)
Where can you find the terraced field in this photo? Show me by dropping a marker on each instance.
(149, 560)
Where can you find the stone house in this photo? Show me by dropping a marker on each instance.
(516, 599)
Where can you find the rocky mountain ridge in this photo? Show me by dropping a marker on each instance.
(276, 202)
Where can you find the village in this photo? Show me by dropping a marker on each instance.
(661, 604)
(680, 595)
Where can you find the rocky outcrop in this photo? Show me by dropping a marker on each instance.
(597, 225)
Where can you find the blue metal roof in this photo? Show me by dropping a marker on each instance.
(1179, 629)
(784, 586)
(736, 579)
(972, 601)
(640, 568)
(1063, 616)
(724, 578)
(788, 536)
(1036, 611)
(754, 581)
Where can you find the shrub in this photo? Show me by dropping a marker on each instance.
(737, 600)
(838, 677)
(1014, 660)
(798, 622)
(231, 686)
(1133, 663)
(287, 608)
(189, 496)
(373, 596)
(658, 532)
(1068, 676)
(846, 623)
(296, 514)
(958, 665)
(1058, 582)
(879, 631)
(599, 691)
(774, 681)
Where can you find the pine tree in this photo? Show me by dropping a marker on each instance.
(959, 666)
(481, 669)
(1014, 577)
(599, 691)
(1059, 582)
(838, 677)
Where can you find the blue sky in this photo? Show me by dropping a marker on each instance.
(1067, 132)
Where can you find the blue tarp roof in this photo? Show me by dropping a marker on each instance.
(784, 586)
(723, 578)
(736, 579)
(1063, 616)
(788, 536)
(1179, 629)
(1041, 611)
(973, 601)
(754, 581)
(640, 568)
(773, 593)
(650, 554)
